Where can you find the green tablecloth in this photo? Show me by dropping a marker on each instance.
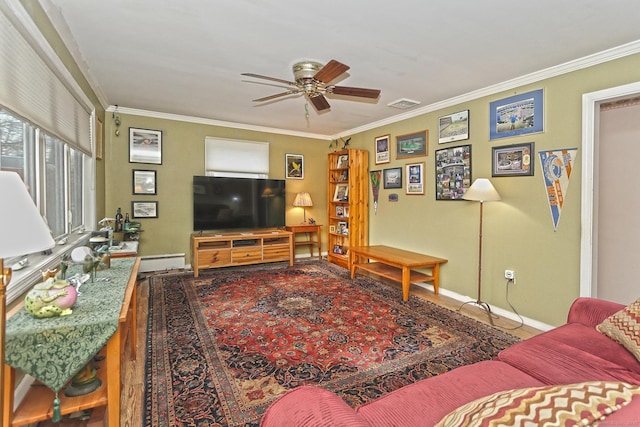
(53, 350)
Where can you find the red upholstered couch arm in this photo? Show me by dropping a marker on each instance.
(309, 406)
(591, 311)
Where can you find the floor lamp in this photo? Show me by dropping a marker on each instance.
(481, 191)
(303, 200)
(22, 231)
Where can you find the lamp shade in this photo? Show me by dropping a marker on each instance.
(303, 199)
(481, 191)
(22, 229)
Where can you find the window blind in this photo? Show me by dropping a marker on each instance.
(231, 157)
(32, 89)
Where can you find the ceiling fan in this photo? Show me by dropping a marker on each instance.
(312, 79)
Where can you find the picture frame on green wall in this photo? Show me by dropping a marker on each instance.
(512, 160)
(294, 166)
(517, 115)
(145, 146)
(453, 172)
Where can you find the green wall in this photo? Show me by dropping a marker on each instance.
(182, 158)
(518, 231)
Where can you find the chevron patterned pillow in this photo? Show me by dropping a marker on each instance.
(579, 404)
(624, 328)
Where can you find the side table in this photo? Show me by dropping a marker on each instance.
(309, 230)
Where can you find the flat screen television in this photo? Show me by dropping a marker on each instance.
(221, 203)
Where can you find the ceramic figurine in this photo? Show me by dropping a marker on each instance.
(53, 297)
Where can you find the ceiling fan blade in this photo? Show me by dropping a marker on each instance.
(258, 76)
(277, 95)
(330, 71)
(354, 91)
(320, 102)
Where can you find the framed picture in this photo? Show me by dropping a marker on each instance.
(145, 146)
(144, 209)
(453, 172)
(512, 160)
(382, 149)
(332, 229)
(343, 228)
(295, 166)
(343, 161)
(342, 193)
(516, 115)
(412, 144)
(99, 140)
(415, 178)
(144, 182)
(453, 127)
(340, 211)
(392, 177)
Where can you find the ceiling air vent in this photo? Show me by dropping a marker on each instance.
(403, 103)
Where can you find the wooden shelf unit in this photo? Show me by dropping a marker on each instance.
(215, 250)
(354, 174)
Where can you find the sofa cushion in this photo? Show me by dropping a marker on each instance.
(573, 353)
(309, 406)
(624, 327)
(574, 404)
(427, 401)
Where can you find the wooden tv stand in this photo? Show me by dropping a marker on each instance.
(214, 250)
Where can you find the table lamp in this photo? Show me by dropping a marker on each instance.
(22, 232)
(481, 191)
(303, 200)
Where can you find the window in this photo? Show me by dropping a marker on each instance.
(60, 192)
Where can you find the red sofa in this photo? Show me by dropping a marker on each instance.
(572, 353)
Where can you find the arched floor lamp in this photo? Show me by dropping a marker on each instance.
(481, 191)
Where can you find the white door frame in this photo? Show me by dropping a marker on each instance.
(589, 209)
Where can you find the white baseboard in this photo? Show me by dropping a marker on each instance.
(161, 262)
(497, 310)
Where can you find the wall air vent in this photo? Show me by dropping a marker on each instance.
(403, 103)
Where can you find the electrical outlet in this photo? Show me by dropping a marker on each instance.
(510, 275)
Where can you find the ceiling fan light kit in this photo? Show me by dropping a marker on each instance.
(312, 79)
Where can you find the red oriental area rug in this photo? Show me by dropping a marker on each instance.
(222, 347)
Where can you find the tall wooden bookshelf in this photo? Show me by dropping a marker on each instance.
(348, 202)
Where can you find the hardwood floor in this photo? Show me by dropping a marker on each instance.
(132, 398)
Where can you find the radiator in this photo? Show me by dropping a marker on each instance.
(161, 262)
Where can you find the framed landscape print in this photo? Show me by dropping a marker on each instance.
(144, 182)
(412, 144)
(453, 172)
(453, 127)
(145, 146)
(144, 209)
(415, 178)
(512, 160)
(295, 166)
(517, 115)
(382, 149)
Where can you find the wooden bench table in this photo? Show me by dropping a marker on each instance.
(396, 264)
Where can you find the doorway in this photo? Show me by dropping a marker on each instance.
(591, 235)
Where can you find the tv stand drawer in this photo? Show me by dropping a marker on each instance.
(246, 255)
(214, 258)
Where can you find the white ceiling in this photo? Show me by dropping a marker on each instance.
(185, 57)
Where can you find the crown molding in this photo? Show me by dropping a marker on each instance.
(212, 122)
(568, 67)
